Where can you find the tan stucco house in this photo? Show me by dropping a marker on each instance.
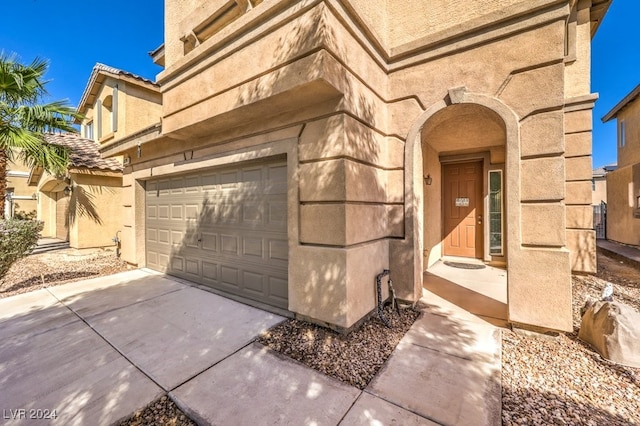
(599, 184)
(623, 184)
(304, 146)
(84, 207)
(20, 198)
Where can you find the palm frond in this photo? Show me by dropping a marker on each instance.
(24, 120)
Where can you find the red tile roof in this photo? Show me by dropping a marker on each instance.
(83, 152)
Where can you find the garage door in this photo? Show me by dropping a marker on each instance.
(225, 228)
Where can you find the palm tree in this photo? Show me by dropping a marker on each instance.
(24, 120)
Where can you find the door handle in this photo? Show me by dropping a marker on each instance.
(479, 219)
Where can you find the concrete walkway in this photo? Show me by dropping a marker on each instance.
(630, 252)
(94, 351)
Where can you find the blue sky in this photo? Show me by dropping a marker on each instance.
(615, 71)
(74, 35)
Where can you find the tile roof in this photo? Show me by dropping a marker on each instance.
(602, 171)
(83, 152)
(102, 68)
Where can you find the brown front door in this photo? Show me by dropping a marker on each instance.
(462, 198)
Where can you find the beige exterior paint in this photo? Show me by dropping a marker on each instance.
(599, 192)
(623, 184)
(116, 104)
(23, 198)
(125, 104)
(90, 215)
(366, 100)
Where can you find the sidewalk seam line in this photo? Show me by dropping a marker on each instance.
(350, 407)
(406, 409)
(108, 342)
(255, 339)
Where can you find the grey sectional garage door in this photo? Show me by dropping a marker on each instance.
(225, 228)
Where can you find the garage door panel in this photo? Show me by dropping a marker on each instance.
(277, 214)
(229, 276)
(209, 241)
(163, 236)
(229, 180)
(252, 213)
(176, 213)
(177, 263)
(277, 180)
(227, 213)
(152, 212)
(192, 184)
(278, 288)
(227, 228)
(252, 176)
(191, 211)
(278, 250)
(152, 259)
(192, 267)
(163, 211)
(210, 271)
(253, 282)
(176, 238)
(229, 244)
(253, 247)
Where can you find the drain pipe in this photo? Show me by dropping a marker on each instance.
(116, 241)
(379, 291)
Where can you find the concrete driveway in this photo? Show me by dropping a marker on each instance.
(94, 351)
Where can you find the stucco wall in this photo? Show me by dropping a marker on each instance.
(599, 194)
(629, 154)
(622, 190)
(17, 178)
(138, 107)
(307, 68)
(95, 210)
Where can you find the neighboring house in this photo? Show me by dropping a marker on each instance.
(599, 184)
(305, 146)
(85, 206)
(117, 103)
(21, 199)
(623, 184)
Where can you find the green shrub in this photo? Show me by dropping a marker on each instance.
(20, 215)
(17, 239)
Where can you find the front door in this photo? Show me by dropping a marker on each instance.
(462, 198)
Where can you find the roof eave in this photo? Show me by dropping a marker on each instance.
(620, 105)
(599, 9)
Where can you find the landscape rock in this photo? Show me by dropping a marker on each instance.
(613, 329)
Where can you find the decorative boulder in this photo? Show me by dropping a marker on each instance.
(613, 329)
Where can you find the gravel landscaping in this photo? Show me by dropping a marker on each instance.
(561, 380)
(53, 268)
(162, 411)
(354, 358)
(545, 379)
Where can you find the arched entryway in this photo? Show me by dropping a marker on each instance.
(462, 132)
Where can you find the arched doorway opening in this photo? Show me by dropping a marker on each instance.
(463, 152)
(462, 129)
